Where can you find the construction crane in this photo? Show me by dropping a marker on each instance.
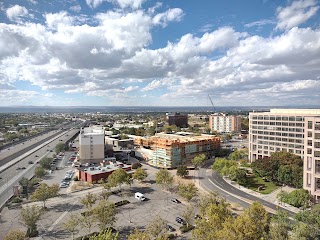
(214, 109)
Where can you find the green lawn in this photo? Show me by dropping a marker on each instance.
(254, 182)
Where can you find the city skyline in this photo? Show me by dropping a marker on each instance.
(159, 53)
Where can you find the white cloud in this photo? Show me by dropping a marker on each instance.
(94, 3)
(170, 15)
(75, 8)
(16, 12)
(295, 14)
(134, 4)
(260, 23)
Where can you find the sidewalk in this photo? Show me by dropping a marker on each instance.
(271, 197)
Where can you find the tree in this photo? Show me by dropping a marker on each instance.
(297, 198)
(45, 162)
(187, 191)
(182, 171)
(39, 172)
(60, 147)
(304, 231)
(87, 221)
(118, 177)
(238, 155)
(140, 174)
(72, 224)
(44, 192)
(237, 174)
(310, 217)
(188, 215)
(30, 216)
(105, 214)
(198, 160)
(105, 235)
(89, 200)
(138, 235)
(279, 226)
(15, 234)
(164, 178)
(156, 228)
(222, 165)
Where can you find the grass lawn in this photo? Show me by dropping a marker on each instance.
(254, 182)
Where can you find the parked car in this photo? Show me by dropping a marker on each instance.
(23, 168)
(175, 200)
(30, 162)
(180, 220)
(170, 228)
(18, 168)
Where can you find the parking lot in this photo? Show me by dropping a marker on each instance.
(136, 214)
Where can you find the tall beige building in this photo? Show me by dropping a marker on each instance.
(91, 144)
(311, 165)
(292, 130)
(223, 123)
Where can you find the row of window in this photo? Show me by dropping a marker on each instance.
(292, 140)
(290, 124)
(293, 135)
(278, 128)
(277, 118)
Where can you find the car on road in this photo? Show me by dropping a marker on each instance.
(23, 168)
(30, 162)
(170, 228)
(36, 156)
(175, 200)
(64, 185)
(180, 220)
(18, 168)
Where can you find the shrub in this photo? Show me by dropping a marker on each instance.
(136, 165)
(16, 200)
(185, 229)
(121, 203)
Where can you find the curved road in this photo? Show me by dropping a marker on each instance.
(213, 181)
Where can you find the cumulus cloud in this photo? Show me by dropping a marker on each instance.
(295, 14)
(16, 12)
(260, 23)
(94, 3)
(170, 15)
(75, 8)
(134, 4)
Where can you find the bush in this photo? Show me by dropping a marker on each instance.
(297, 198)
(185, 229)
(16, 200)
(121, 203)
(136, 165)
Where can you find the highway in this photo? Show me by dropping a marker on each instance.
(36, 150)
(212, 181)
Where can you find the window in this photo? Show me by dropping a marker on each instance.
(310, 124)
(292, 118)
(309, 162)
(310, 143)
(309, 134)
(284, 118)
(309, 151)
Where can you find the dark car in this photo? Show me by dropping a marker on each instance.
(170, 228)
(175, 200)
(23, 168)
(30, 162)
(18, 168)
(36, 156)
(180, 220)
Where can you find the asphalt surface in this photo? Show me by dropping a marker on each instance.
(213, 181)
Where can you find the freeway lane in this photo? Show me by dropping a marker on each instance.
(11, 176)
(28, 148)
(224, 189)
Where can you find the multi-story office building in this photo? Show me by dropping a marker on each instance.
(223, 123)
(91, 144)
(311, 164)
(178, 119)
(171, 150)
(278, 130)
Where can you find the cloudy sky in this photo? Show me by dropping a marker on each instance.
(159, 53)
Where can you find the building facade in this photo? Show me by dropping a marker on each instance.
(91, 144)
(311, 164)
(178, 119)
(172, 150)
(223, 123)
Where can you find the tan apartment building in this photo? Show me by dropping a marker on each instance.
(223, 123)
(172, 150)
(311, 165)
(91, 144)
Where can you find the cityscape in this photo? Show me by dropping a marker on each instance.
(149, 120)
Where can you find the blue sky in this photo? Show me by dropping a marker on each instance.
(159, 53)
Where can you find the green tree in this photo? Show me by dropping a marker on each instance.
(139, 235)
(279, 226)
(303, 231)
(156, 228)
(237, 174)
(222, 165)
(30, 216)
(72, 225)
(164, 179)
(44, 192)
(118, 177)
(238, 155)
(89, 200)
(188, 215)
(45, 162)
(105, 235)
(187, 191)
(182, 171)
(297, 198)
(61, 147)
(140, 174)
(39, 172)
(87, 221)
(15, 234)
(198, 160)
(310, 217)
(105, 214)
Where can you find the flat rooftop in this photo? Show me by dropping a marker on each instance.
(92, 170)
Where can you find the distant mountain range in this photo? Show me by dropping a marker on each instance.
(136, 109)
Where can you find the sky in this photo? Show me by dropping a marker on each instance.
(159, 53)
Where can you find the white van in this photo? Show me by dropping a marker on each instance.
(139, 196)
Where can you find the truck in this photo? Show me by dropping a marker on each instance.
(139, 196)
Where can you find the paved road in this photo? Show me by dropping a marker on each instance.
(215, 182)
(11, 176)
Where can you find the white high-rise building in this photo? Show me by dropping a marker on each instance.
(91, 144)
(223, 123)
